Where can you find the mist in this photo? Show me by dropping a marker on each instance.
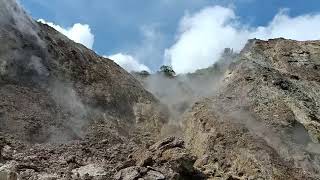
(24, 59)
(181, 92)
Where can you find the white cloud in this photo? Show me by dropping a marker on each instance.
(128, 62)
(80, 33)
(203, 36)
(301, 28)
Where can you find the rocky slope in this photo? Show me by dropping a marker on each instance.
(67, 113)
(264, 120)
(63, 107)
(259, 113)
(48, 79)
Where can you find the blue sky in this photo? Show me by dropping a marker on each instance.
(144, 29)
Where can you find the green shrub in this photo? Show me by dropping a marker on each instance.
(167, 71)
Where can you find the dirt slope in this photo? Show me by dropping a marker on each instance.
(67, 113)
(49, 82)
(63, 107)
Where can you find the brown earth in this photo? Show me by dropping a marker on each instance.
(67, 113)
(264, 120)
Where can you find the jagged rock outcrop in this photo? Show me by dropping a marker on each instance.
(166, 159)
(264, 120)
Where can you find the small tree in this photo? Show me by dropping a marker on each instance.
(167, 70)
(144, 73)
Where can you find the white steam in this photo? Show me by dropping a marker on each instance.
(12, 14)
(79, 33)
(203, 36)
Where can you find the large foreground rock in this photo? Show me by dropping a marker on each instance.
(166, 159)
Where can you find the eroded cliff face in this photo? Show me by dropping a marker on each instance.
(63, 107)
(67, 113)
(264, 120)
(258, 118)
(52, 88)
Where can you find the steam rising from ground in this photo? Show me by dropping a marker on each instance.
(295, 150)
(13, 14)
(65, 96)
(179, 93)
(24, 57)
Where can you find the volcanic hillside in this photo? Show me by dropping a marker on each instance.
(67, 113)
